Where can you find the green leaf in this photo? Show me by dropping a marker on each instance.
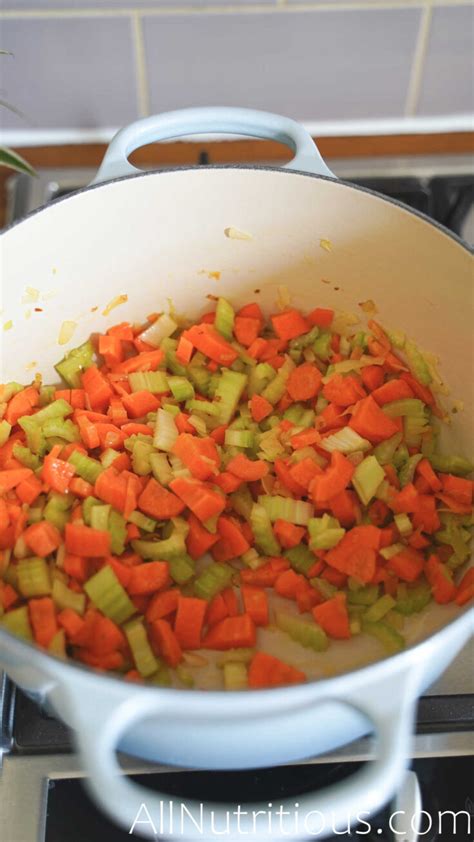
(11, 159)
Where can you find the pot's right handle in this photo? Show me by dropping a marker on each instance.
(391, 710)
(191, 121)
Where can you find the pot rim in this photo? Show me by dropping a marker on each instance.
(253, 167)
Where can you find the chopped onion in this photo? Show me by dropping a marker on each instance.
(161, 329)
(66, 332)
(345, 441)
(166, 431)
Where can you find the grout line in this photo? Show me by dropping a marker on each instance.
(421, 48)
(143, 96)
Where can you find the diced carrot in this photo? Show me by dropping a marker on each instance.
(218, 435)
(343, 390)
(256, 349)
(14, 476)
(184, 351)
(378, 512)
(28, 490)
(56, 472)
(20, 404)
(198, 539)
(80, 487)
(247, 469)
(307, 598)
(227, 482)
(287, 534)
(246, 330)
(454, 505)
(217, 610)
(72, 623)
(371, 422)
(111, 349)
(289, 583)
(111, 661)
(334, 479)
(107, 636)
(96, 387)
(321, 317)
(42, 538)
(230, 633)
(345, 507)
(8, 596)
(206, 339)
(122, 331)
(393, 390)
(424, 470)
(162, 605)
(304, 382)
(266, 575)
(420, 391)
(158, 502)
(272, 348)
(232, 542)
(372, 376)
(203, 501)
(148, 578)
(4, 515)
(331, 417)
(305, 439)
(267, 671)
(466, 587)
(166, 642)
(407, 564)
(231, 602)
(76, 566)
(111, 487)
(441, 580)
(43, 620)
(334, 577)
(305, 471)
(200, 455)
(189, 621)
(83, 540)
(355, 554)
(139, 404)
(333, 617)
(457, 487)
(144, 361)
(251, 311)
(255, 604)
(285, 478)
(426, 517)
(89, 434)
(290, 324)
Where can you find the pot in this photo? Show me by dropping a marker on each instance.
(152, 236)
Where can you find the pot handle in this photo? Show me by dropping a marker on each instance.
(191, 121)
(391, 710)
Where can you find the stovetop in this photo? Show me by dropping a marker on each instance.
(41, 796)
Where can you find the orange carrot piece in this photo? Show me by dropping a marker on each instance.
(267, 671)
(232, 542)
(231, 633)
(148, 578)
(203, 501)
(304, 382)
(251, 311)
(355, 554)
(162, 605)
(333, 617)
(371, 422)
(458, 487)
(289, 583)
(189, 621)
(77, 567)
(198, 539)
(407, 564)
(424, 470)
(217, 610)
(83, 540)
(247, 469)
(305, 439)
(287, 534)
(305, 471)
(372, 376)
(255, 604)
(158, 502)
(96, 387)
(466, 587)
(111, 349)
(20, 404)
(345, 507)
(43, 620)
(200, 455)
(283, 473)
(166, 642)
(184, 351)
(420, 391)
(246, 330)
(320, 317)
(289, 325)
(8, 595)
(393, 390)
(144, 361)
(12, 477)
(333, 480)
(139, 404)
(441, 580)
(256, 349)
(28, 490)
(267, 574)
(42, 538)
(344, 390)
(56, 472)
(206, 339)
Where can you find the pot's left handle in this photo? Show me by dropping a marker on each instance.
(192, 121)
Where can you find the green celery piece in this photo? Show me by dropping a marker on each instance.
(212, 580)
(294, 413)
(141, 457)
(33, 577)
(366, 478)
(228, 394)
(307, 633)
(457, 465)
(35, 439)
(86, 467)
(161, 468)
(454, 535)
(242, 501)
(403, 524)
(307, 419)
(397, 337)
(57, 509)
(296, 355)
(413, 429)
(169, 347)
(181, 569)
(200, 377)
(8, 390)
(235, 656)
(181, 388)
(379, 609)
(239, 438)
(235, 676)
(413, 598)
(56, 409)
(243, 357)
(363, 596)
(100, 517)
(74, 363)
(63, 598)
(285, 508)
(224, 321)
(323, 587)
(59, 428)
(259, 378)
(5, 430)
(57, 644)
(142, 521)
(17, 622)
(417, 363)
(305, 340)
(118, 532)
(162, 676)
(155, 382)
(322, 345)
(407, 471)
(400, 456)
(405, 406)
(262, 530)
(26, 457)
(206, 407)
(277, 387)
(108, 595)
(324, 532)
(87, 505)
(172, 408)
(300, 558)
(143, 656)
(390, 639)
(46, 395)
(166, 550)
(359, 340)
(185, 676)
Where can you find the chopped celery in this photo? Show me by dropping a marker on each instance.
(74, 363)
(451, 464)
(322, 345)
(35, 439)
(364, 596)
(141, 453)
(57, 644)
(305, 340)
(345, 441)
(185, 676)
(300, 558)
(323, 587)
(161, 468)
(400, 456)
(17, 622)
(118, 531)
(63, 598)
(366, 478)
(324, 532)
(389, 552)
(453, 534)
(108, 595)
(163, 327)
(166, 431)
(87, 506)
(417, 363)
(57, 509)
(100, 517)
(224, 321)
(162, 676)
(294, 413)
(166, 550)
(155, 382)
(212, 580)
(181, 569)
(200, 378)
(228, 393)
(235, 656)
(181, 388)
(252, 559)
(239, 438)
(172, 408)
(235, 676)
(199, 424)
(5, 430)
(26, 457)
(277, 387)
(390, 639)
(260, 377)
(412, 598)
(413, 429)
(407, 471)
(86, 467)
(206, 407)
(46, 395)
(379, 609)
(168, 346)
(143, 656)
(321, 404)
(33, 577)
(285, 508)
(142, 521)
(262, 530)
(307, 633)
(242, 501)
(405, 406)
(8, 390)
(59, 428)
(397, 337)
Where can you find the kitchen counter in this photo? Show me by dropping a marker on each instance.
(182, 153)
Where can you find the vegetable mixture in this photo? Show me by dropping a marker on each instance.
(153, 504)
